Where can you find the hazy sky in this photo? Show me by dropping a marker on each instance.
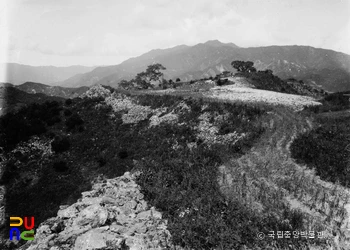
(103, 32)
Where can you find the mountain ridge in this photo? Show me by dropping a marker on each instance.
(326, 68)
(34, 87)
(19, 73)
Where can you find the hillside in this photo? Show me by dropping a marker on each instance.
(18, 73)
(11, 98)
(219, 172)
(33, 88)
(326, 68)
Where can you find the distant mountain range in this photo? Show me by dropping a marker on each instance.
(19, 73)
(318, 67)
(34, 88)
(326, 68)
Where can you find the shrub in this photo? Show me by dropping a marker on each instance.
(28, 121)
(111, 89)
(10, 172)
(324, 148)
(60, 144)
(60, 166)
(101, 160)
(123, 154)
(53, 120)
(68, 102)
(67, 112)
(74, 121)
(158, 101)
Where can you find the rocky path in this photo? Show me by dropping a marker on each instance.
(113, 215)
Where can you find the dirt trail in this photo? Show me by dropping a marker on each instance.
(274, 178)
(267, 177)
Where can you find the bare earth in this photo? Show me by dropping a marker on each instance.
(246, 94)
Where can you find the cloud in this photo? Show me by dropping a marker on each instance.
(4, 31)
(342, 38)
(120, 29)
(92, 29)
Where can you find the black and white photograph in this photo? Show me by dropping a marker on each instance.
(175, 125)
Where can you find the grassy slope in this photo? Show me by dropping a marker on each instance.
(258, 183)
(326, 147)
(38, 181)
(12, 99)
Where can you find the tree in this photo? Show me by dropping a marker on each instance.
(243, 66)
(178, 79)
(142, 80)
(165, 84)
(152, 73)
(125, 84)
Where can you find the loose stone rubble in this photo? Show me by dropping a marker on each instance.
(156, 119)
(208, 132)
(113, 215)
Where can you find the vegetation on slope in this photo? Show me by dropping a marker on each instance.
(334, 102)
(12, 99)
(326, 147)
(268, 81)
(115, 133)
(152, 78)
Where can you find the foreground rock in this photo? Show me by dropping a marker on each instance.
(113, 215)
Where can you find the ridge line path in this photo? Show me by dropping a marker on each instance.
(267, 176)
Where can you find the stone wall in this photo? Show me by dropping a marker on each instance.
(113, 215)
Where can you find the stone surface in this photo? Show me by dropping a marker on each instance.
(113, 215)
(68, 212)
(90, 240)
(95, 215)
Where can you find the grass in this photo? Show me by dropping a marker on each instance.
(326, 148)
(180, 181)
(333, 102)
(267, 81)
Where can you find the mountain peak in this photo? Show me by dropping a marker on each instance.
(214, 43)
(217, 43)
